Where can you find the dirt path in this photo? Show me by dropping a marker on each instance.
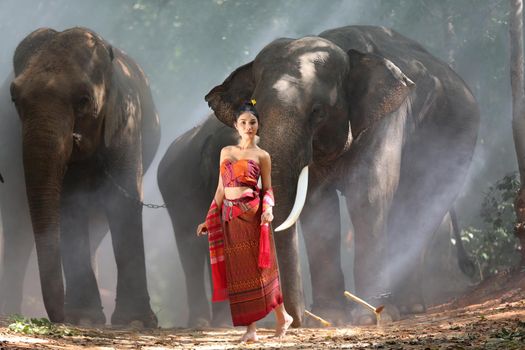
(498, 323)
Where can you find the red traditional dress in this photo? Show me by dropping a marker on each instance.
(242, 252)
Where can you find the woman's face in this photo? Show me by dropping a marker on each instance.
(247, 125)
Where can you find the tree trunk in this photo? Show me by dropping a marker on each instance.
(518, 112)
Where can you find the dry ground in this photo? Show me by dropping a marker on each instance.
(492, 316)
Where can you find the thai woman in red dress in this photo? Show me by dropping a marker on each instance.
(242, 252)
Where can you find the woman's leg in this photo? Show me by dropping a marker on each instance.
(283, 321)
(250, 334)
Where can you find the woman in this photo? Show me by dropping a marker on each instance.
(243, 261)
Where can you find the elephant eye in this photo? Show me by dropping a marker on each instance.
(84, 105)
(83, 101)
(317, 114)
(12, 89)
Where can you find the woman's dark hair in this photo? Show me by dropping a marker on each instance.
(247, 106)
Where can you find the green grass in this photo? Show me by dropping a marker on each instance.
(38, 326)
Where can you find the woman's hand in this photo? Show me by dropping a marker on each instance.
(202, 229)
(267, 216)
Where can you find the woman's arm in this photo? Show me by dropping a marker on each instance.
(266, 171)
(266, 179)
(219, 193)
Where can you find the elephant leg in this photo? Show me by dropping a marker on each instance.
(193, 252)
(98, 228)
(432, 173)
(221, 314)
(411, 225)
(370, 242)
(18, 244)
(321, 227)
(82, 298)
(287, 250)
(125, 223)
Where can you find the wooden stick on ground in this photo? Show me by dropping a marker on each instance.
(315, 317)
(375, 310)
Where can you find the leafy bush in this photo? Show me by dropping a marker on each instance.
(38, 326)
(493, 246)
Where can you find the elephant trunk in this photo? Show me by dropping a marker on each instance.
(287, 249)
(44, 154)
(285, 175)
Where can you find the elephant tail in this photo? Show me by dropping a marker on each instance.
(465, 263)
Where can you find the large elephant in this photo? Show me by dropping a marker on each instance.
(84, 131)
(374, 116)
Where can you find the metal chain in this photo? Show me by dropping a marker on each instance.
(128, 195)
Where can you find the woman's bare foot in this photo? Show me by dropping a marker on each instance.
(282, 326)
(249, 337)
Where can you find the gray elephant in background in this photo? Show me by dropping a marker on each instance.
(84, 131)
(374, 116)
(187, 178)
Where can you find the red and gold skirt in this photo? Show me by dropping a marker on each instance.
(253, 292)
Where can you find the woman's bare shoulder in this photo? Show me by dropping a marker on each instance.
(226, 149)
(263, 155)
(225, 152)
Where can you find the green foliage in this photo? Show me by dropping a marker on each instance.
(38, 326)
(494, 245)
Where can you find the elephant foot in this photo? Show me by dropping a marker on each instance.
(410, 300)
(410, 304)
(136, 324)
(365, 317)
(198, 322)
(85, 323)
(134, 319)
(366, 320)
(85, 317)
(221, 318)
(410, 309)
(202, 323)
(297, 322)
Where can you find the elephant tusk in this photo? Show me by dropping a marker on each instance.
(300, 199)
(315, 317)
(376, 310)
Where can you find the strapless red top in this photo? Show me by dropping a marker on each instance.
(240, 173)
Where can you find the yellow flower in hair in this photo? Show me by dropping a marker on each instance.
(253, 101)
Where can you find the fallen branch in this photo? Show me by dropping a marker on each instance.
(317, 318)
(375, 310)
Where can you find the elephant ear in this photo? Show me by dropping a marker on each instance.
(107, 46)
(29, 46)
(227, 98)
(123, 102)
(376, 87)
